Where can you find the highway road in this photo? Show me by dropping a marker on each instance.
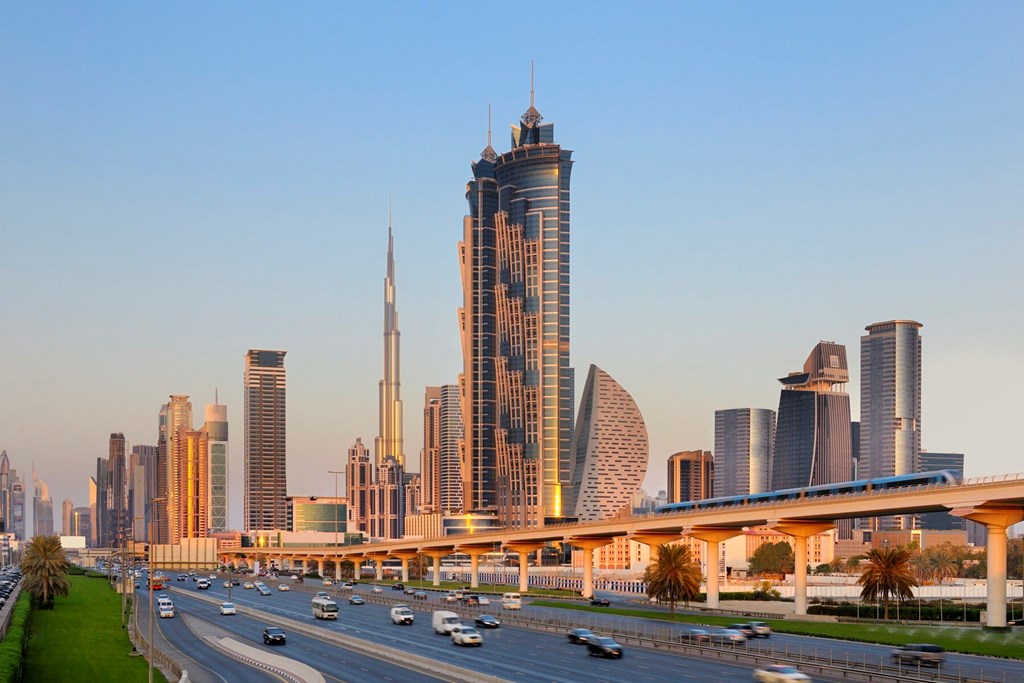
(511, 653)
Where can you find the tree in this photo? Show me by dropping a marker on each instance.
(773, 558)
(888, 575)
(944, 562)
(419, 566)
(45, 568)
(674, 576)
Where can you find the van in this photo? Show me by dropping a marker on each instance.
(325, 608)
(444, 620)
(511, 601)
(203, 584)
(166, 610)
(402, 615)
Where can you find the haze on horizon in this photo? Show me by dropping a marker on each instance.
(180, 184)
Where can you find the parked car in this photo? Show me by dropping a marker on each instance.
(580, 636)
(227, 608)
(779, 673)
(920, 652)
(603, 646)
(356, 600)
(283, 587)
(488, 621)
(466, 635)
(600, 602)
(728, 636)
(273, 636)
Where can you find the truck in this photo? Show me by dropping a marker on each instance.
(402, 615)
(443, 621)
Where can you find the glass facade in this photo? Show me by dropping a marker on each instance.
(744, 439)
(317, 514)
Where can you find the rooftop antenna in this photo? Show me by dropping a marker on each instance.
(488, 124)
(531, 82)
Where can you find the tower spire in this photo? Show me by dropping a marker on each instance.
(531, 117)
(531, 84)
(489, 154)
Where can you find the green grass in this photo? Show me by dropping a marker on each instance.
(81, 638)
(968, 640)
(11, 649)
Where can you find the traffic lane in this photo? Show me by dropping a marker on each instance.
(328, 658)
(513, 653)
(173, 634)
(781, 644)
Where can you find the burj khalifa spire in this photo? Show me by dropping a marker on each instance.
(389, 440)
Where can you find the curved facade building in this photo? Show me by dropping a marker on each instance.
(610, 450)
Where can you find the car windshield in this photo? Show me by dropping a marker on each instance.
(786, 669)
(274, 631)
(469, 631)
(604, 641)
(228, 605)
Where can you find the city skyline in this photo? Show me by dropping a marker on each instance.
(742, 145)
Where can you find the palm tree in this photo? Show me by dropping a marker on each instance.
(674, 576)
(45, 568)
(888, 575)
(944, 565)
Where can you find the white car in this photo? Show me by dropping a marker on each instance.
(327, 582)
(376, 589)
(227, 608)
(283, 587)
(466, 635)
(248, 585)
(213, 577)
(227, 584)
(779, 673)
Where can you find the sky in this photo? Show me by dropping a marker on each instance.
(181, 183)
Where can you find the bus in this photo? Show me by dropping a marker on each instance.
(325, 608)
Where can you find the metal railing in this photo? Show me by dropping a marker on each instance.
(161, 660)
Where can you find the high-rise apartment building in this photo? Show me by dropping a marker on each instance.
(42, 508)
(116, 510)
(812, 432)
(67, 508)
(358, 487)
(931, 462)
(451, 465)
(430, 456)
(142, 476)
(691, 476)
(174, 416)
(18, 506)
(6, 525)
(80, 523)
(390, 440)
(387, 501)
(412, 494)
(890, 405)
(94, 507)
(190, 516)
(744, 438)
(517, 382)
(264, 502)
(217, 440)
(610, 450)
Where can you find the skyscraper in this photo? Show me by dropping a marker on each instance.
(42, 508)
(142, 476)
(116, 486)
(191, 485)
(389, 439)
(5, 493)
(517, 381)
(174, 415)
(890, 404)
(450, 464)
(217, 436)
(430, 456)
(387, 501)
(358, 487)
(744, 438)
(930, 462)
(691, 476)
(264, 502)
(610, 450)
(67, 507)
(812, 434)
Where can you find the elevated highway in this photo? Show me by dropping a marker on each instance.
(996, 501)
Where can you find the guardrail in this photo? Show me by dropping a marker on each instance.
(161, 659)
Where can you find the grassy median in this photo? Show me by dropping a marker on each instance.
(965, 639)
(81, 638)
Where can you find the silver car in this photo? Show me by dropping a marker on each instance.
(729, 636)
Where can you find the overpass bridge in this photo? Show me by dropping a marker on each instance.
(995, 501)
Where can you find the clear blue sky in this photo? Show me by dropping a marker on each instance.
(180, 183)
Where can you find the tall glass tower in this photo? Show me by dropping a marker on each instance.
(264, 504)
(517, 382)
(389, 441)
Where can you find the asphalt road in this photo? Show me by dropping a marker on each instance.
(511, 653)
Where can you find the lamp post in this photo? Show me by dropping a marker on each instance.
(150, 581)
(337, 568)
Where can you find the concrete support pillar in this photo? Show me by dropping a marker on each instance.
(714, 537)
(405, 570)
(588, 546)
(379, 563)
(437, 570)
(996, 519)
(436, 555)
(337, 568)
(524, 550)
(800, 531)
(474, 553)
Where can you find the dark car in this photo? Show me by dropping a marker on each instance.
(181, 577)
(488, 621)
(236, 582)
(356, 600)
(600, 602)
(273, 636)
(579, 635)
(398, 587)
(920, 653)
(604, 646)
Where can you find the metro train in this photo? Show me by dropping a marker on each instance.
(880, 484)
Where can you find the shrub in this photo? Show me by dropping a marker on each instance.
(12, 649)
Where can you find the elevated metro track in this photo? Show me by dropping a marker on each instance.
(995, 501)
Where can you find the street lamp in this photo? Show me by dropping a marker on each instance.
(337, 568)
(150, 581)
